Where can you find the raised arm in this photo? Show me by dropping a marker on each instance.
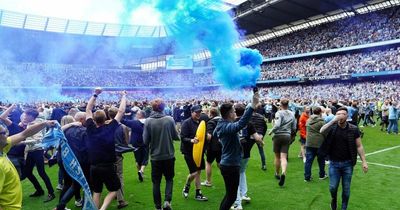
(326, 127)
(30, 131)
(237, 126)
(122, 107)
(5, 114)
(91, 103)
(65, 127)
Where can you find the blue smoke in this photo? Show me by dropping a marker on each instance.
(196, 24)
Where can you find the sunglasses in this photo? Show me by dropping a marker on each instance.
(3, 133)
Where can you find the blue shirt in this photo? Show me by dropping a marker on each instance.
(351, 111)
(329, 118)
(227, 132)
(392, 113)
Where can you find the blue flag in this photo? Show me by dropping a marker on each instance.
(55, 137)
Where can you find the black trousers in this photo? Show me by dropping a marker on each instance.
(231, 175)
(158, 169)
(35, 158)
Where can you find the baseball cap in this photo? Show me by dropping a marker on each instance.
(195, 108)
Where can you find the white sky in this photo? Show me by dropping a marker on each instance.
(104, 11)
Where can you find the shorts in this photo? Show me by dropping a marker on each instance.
(302, 141)
(281, 143)
(141, 156)
(104, 174)
(385, 119)
(214, 155)
(192, 165)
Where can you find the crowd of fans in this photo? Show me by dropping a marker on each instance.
(360, 29)
(31, 74)
(370, 61)
(339, 91)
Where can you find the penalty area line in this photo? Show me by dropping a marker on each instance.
(383, 165)
(382, 150)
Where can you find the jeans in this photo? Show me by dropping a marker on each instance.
(337, 171)
(242, 189)
(262, 154)
(393, 126)
(231, 176)
(71, 188)
(368, 120)
(60, 177)
(158, 169)
(35, 158)
(310, 156)
(19, 164)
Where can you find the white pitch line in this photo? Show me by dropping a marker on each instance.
(383, 150)
(383, 165)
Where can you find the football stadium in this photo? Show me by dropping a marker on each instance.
(199, 104)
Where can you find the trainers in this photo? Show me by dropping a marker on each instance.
(140, 175)
(122, 204)
(49, 198)
(277, 176)
(185, 191)
(79, 203)
(201, 197)
(308, 180)
(167, 206)
(264, 167)
(282, 180)
(206, 183)
(236, 207)
(324, 177)
(37, 194)
(59, 187)
(246, 199)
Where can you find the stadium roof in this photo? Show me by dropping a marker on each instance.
(33, 17)
(258, 15)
